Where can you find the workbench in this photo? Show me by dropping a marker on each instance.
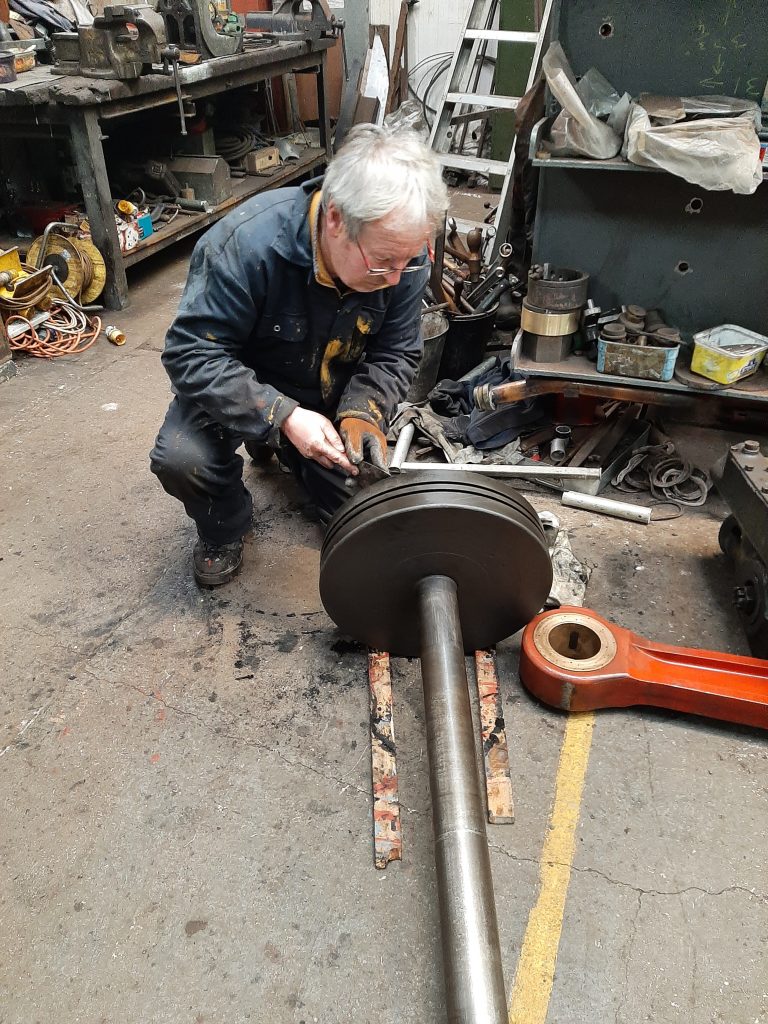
(43, 103)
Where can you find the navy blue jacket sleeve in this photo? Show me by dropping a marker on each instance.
(204, 348)
(391, 357)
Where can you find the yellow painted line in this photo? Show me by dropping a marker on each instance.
(535, 975)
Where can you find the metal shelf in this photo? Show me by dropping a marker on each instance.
(242, 189)
(579, 368)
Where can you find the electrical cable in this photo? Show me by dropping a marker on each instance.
(29, 299)
(66, 331)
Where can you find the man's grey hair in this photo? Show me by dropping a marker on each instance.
(379, 171)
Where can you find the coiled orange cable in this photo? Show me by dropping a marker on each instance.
(67, 331)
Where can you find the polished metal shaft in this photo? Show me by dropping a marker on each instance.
(474, 981)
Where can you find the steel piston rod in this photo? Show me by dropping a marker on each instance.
(474, 982)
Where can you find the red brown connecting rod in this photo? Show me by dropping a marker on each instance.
(577, 661)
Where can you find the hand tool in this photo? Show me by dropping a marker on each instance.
(453, 238)
(491, 278)
(575, 660)
(432, 566)
(492, 296)
(436, 274)
(474, 247)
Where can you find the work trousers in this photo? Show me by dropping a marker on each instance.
(195, 459)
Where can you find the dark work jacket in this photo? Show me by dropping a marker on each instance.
(256, 335)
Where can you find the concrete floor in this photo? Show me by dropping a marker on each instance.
(184, 776)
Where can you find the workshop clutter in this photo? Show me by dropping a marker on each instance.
(43, 301)
(711, 141)
(488, 423)
(468, 290)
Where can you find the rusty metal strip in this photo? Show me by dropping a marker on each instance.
(501, 809)
(387, 837)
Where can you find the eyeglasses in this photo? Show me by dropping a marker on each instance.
(386, 271)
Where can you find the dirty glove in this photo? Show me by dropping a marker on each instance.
(362, 440)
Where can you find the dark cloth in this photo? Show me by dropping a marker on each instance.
(195, 458)
(452, 399)
(256, 335)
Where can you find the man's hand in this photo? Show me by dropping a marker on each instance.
(315, 437)
(362, 439)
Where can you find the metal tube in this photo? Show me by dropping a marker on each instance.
(474, 982)
(478, 370)
(609, 507)
(402, 447)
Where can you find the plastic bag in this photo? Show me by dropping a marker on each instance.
(668, 109)
(596, 93)
(715, 153)
(575, 132)
(409, 116)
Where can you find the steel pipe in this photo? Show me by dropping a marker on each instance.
(474, 981)
(402, 447)
(609, 507)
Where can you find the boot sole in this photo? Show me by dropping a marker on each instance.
(217, 579)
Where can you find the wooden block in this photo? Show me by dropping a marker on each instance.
(262, 161)
(498, 783)
(387, 837)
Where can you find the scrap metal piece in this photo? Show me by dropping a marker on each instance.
(387, 835)
(498, 783)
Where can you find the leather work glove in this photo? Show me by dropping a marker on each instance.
(362, 440)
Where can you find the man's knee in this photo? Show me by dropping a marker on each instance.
(179, 459)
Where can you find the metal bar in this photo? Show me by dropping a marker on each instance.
(323, 118)
(387, 835)
(588, 477)
(608, 507)
(402, 447)
(472, 163)
(501, 35)
(485, 100)
(498, 783)
(474, 982)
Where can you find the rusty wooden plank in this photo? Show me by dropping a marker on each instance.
(501, 809)
(395, 78)
(387, 837)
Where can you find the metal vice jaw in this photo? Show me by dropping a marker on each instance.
(123, 43)
(288, 21)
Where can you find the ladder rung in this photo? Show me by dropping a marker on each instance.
(500, 102)
(502, 36)
(473, 163)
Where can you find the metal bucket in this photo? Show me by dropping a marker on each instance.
(434, 327)
(465, 342)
